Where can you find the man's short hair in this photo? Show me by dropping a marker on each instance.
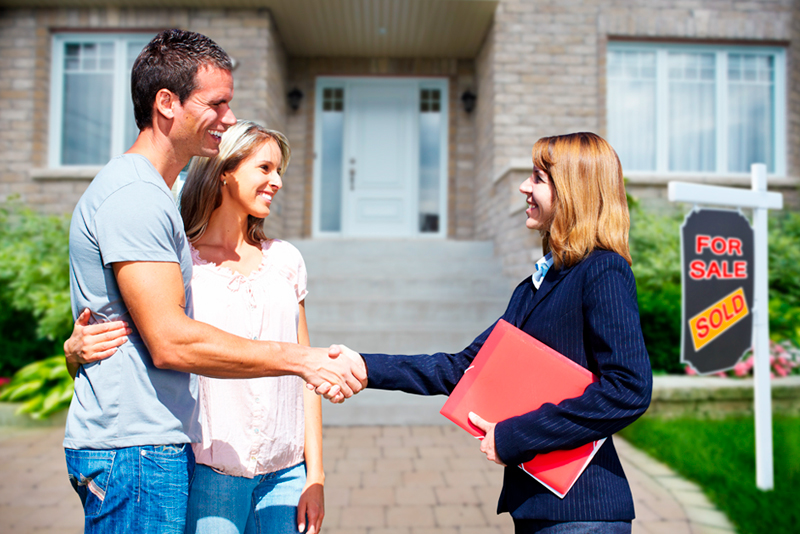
(170, 61)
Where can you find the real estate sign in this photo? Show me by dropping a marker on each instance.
(717, 269)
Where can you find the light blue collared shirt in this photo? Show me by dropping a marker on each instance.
(542, 266)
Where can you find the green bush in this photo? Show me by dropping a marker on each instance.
(44, 388)
(784, 276)
(655, 248)
(35, 315)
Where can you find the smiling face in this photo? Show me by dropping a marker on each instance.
(202, 118)
(253, 184)
(539, 194)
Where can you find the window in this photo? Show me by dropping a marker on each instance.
(696, 108)
(430, 151)
(332, 158)
(91, 110)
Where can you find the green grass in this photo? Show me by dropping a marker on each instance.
(719, 455)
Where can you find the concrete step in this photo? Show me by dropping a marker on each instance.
(402, 296)
(366, 248)
(402, 339)
(391, 312)
(401, 267)
(372, 287)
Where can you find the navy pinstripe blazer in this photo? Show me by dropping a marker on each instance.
(589, 313)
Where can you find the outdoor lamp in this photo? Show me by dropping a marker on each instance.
(294, 96)
(468, 98)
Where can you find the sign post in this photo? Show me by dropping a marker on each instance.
(760, 200)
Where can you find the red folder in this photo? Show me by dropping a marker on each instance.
(514, 374)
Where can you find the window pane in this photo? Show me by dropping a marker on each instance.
(332, 153)
(88, 97)
(631, 108)
(429, 160)
(86, 130)
(750, 112)
(131, 130)
(691, 112)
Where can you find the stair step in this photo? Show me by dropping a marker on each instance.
(391, 312)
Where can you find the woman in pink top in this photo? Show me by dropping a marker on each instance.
(259, 465)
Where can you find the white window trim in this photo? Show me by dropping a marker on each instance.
(722, 52)
(121, 80)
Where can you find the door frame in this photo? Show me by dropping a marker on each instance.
(347, 82)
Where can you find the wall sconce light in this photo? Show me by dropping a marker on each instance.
(468, 98)
(294, 96)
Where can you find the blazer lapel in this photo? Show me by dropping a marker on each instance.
(551, 280)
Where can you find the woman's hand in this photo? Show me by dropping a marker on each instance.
(487, 443)
(92, 343)
(311, 508)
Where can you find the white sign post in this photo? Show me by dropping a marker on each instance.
(760, 200)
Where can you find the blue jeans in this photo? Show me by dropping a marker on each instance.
(536, 526)
(225, 504)
(133, 489)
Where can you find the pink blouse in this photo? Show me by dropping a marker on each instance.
(257, 425)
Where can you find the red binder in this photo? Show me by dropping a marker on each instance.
(513, 374)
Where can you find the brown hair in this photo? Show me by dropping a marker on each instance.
(590, 209)
(170, 61)
(202, 191)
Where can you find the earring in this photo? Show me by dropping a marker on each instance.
(224, 182)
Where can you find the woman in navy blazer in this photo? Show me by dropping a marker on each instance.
(585, 308)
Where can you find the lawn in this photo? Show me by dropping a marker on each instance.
(719, 455)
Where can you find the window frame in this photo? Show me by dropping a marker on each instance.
(721, 53)
(121, 91)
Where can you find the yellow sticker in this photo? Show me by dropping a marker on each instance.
(714, 320)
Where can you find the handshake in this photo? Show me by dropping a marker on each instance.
(337, 375)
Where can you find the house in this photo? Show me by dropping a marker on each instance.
(414, 119)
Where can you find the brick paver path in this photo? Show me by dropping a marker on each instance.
(380, 480)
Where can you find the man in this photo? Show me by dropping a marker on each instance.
(132, 416)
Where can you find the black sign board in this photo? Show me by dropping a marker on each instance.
(717, 271)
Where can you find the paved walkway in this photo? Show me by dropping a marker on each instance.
(380, 480)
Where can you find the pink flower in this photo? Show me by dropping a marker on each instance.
(690, 371)
(741, 369)
(721, 374)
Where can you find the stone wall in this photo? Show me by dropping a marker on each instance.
(303, 73)
(713, 398)
(25, 49)
(541, 70)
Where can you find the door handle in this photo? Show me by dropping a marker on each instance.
(352, 179)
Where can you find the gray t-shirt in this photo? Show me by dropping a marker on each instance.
(127, 214)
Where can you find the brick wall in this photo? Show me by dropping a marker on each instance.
(793, 96)
(541, 70)
(25, 49)
(299, 178)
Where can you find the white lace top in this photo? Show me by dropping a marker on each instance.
(252, 426)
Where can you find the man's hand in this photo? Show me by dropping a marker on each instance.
(333, 390)
(487, 443)
(92, 343)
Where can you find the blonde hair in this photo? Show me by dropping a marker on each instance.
(590, 209)
(202, 191)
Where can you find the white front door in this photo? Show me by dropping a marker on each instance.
(374, 173)
(381, 160)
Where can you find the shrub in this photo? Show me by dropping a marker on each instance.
(655, 249)
(35, 314)
(44, 387)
